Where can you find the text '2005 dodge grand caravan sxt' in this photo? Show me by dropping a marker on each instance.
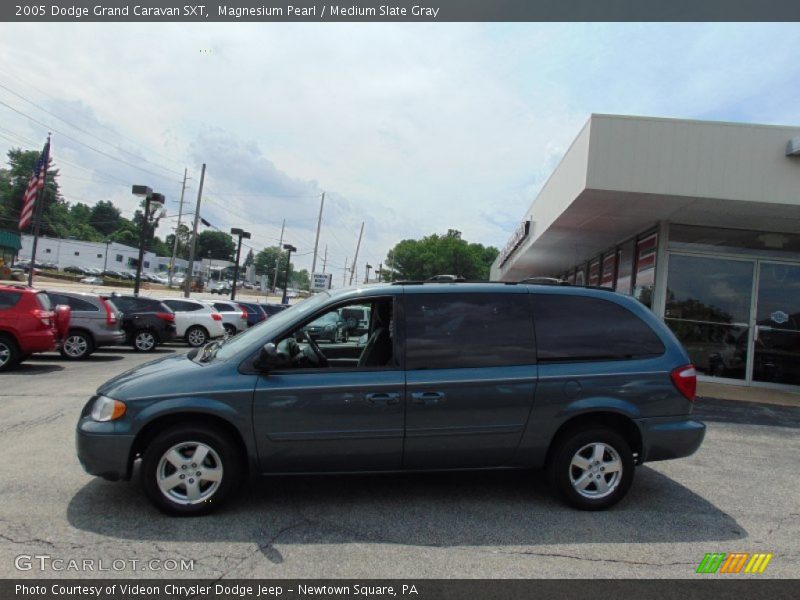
(584, 382)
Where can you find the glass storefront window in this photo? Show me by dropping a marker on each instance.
(776, 354)
(708, 309)
(580, 276)
(646, 269)
(594, 272)
(609, 265)
(625, 267)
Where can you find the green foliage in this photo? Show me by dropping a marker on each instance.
(265, 264)
(440, 255)
(301, 280)
(105, 218)
(217, 245)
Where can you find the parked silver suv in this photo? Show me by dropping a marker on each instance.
(94, 322)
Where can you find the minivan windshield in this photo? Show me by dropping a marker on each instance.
(259, 334)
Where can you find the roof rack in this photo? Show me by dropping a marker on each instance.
(545, 281)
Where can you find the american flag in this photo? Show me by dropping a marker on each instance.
(34, 185)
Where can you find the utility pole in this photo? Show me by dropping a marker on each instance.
(325, 260)
(278, 259)
(380, 270)
(344, 275)
(190, 276)
(177, 230)
(355, 259)
(316, 240)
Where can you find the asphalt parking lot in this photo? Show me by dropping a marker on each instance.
(738, 493)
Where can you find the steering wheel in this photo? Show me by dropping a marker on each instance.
(321, 360)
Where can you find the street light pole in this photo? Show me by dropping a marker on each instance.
(366, 275)
(242, 234)
(105, 260)
(290, 249)
(145, 192)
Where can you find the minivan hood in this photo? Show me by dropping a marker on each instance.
(160, 376)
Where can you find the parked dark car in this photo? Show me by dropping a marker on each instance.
(273, 309)
(329, 326)
(147, 322)
(255, 314)
(452, 376)
(94, 322)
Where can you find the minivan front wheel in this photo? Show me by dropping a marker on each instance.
(591, 469)
(190, 470)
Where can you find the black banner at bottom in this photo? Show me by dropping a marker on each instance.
(389, 589)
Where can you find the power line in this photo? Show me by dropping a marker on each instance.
(52, 114)
(77, 141)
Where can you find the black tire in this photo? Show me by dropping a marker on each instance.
(78, 345)
(562, 472)
(176, 501)
(144, 340)
(230, 329)
(9, 353)
(196, 336)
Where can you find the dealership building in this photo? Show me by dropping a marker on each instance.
(698, 220)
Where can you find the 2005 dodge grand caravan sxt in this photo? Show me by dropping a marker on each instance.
(584, 382)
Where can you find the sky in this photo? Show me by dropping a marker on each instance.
(410, 128)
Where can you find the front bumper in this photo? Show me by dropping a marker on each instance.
(664, 438)
(101, 452)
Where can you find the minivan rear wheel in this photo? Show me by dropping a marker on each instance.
(591, 469)
(190, 470)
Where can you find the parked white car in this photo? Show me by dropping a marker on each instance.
(234, 319)
(195, 322)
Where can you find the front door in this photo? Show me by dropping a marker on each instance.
(333, 405)
(776, 344)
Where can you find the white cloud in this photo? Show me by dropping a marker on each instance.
(412, 128)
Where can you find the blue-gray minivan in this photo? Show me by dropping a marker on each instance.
(583, 382)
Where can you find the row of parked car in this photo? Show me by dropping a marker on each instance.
(78, 323)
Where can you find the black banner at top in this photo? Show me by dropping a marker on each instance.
(397, 10)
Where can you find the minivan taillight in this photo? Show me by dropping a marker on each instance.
(111, 318)
(685, 380)
(166, 316)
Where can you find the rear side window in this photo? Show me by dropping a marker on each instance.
(183, 306)
(44, 301)
(222, 307)
(9, 299)
(78, 304)
(452, 331)
(572, 328)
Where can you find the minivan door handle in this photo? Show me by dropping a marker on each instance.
(427, 398)
(382, 398)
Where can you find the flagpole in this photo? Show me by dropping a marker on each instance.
(38, 214)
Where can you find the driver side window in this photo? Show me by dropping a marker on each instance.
(357, 335)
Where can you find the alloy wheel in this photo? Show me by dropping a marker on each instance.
(196, 337)
(76, 346)
(5, 354)
(145, 341)
(189, 473)
(595, 470)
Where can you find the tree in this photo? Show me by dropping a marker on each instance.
(184, 239)
(13, 183)
(215, 244)
(438, 254)
(249, 259)
(301, 280)
(265, 264)
(105, 217)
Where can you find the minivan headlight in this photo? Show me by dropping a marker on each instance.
(107, 409)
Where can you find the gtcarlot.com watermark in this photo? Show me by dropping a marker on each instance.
(45, 562)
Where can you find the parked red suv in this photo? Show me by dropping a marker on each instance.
(28, 324)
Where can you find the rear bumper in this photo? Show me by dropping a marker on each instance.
(664, 438)
(38, 341)
(101, 452)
